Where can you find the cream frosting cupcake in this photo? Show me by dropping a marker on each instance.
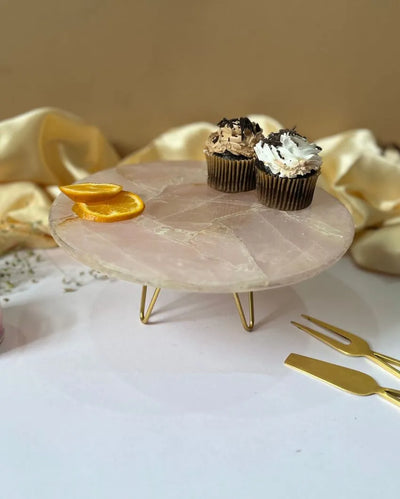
(231, 156)
(287, 170)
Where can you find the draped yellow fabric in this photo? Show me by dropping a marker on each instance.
(40, 150)
(48, 147)
(367, 181)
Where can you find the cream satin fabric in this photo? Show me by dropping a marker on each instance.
(48, 147)
(40, 150)
(367, 182)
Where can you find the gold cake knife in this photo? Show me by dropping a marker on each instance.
(342, 377)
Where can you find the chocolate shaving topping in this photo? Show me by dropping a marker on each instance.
(244, 124)
(274, 139)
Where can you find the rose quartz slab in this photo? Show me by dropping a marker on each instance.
(194, 238)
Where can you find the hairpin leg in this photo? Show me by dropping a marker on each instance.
(144, 316)
(248, 326)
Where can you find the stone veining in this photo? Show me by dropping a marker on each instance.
(191, 237)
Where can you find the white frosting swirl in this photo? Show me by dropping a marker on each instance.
(293, 157)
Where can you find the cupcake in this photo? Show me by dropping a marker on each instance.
(230, 155)
(287, 169)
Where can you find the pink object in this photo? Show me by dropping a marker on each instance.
(192, 237)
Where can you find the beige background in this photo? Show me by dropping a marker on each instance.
(136, 68)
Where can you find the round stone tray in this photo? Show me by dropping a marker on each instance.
(194, 238)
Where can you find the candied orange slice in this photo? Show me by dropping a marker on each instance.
(122, 206)
(89, 192)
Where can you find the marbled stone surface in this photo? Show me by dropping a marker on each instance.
(194, 238)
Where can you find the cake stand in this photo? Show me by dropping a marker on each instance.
(192, 237)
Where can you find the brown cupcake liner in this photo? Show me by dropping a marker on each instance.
(287, 194)
(231, 175)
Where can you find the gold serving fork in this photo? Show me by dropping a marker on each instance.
(356, 347)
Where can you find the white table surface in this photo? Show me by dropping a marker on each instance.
(95, 404)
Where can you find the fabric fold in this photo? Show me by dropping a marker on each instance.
(40, 150)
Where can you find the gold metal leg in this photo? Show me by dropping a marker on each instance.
(144, 316)
(247, 325)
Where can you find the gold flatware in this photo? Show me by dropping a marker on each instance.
(347, 379)
(356, 347)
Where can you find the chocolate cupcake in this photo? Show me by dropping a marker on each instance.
(230, 155)
(287, 169)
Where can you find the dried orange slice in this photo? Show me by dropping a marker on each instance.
(89, 192)
(122, 206)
